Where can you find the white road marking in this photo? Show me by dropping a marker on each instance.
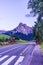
(9, 60)
(24, 50)
(9, 50)
(19, 60)
(4, 47)
(2, 58)
(7, 46)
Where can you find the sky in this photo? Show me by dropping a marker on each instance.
(12, 12)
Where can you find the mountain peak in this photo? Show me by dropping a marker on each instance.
(20, 23)
(23, 28)
(22, 31)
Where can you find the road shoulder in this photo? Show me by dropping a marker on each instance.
(36, 58)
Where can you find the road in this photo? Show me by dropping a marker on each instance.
(16, 54)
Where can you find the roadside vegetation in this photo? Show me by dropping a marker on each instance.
(3, 36)
(41, 45)
(21, 41)
(3, 39)
(37, 9)
(13, 39)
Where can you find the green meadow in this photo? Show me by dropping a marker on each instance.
(4, 36)
(21, 41)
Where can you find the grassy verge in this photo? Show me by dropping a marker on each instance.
(21, 41)
(17, 41)
(3, 43)
(41, 46)
(4, 36)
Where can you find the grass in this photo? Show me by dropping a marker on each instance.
(3, 43)
(21, 41)
(4, 36)
(17, 42)
(41, 46)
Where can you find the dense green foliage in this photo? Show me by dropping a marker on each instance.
(37, 8)
(38, 30)
(14, 36)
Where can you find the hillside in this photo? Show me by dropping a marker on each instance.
(2, 31)
(4, 36)
(22, 28)
(23, 31)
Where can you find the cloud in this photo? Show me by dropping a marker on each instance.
(29, 15)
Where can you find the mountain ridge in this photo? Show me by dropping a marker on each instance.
(23, 31)
(22, 28)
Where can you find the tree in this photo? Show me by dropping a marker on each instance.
(36, 6)
(37, 9)
(15, 36)
(38, 30)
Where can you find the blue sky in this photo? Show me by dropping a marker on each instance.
(12, 12)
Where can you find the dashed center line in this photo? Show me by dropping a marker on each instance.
(9, 50)
(24, 50)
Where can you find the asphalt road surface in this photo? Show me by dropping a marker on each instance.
(16, 54)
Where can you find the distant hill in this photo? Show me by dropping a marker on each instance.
(23, 31)
(23, 28)
(24, 37)
(4, 36)
(2, 31)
